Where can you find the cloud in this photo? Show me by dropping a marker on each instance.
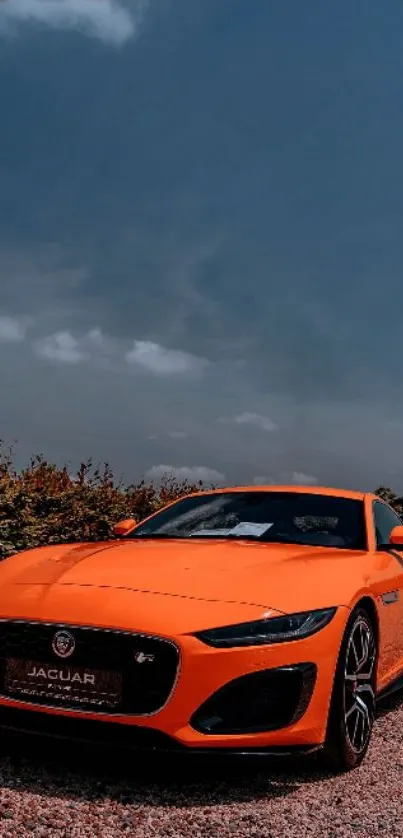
(12, 329)
(301, 479)
(261, 480)
(95, 345)
(296, 477)
(62, 346)
(96, 337)
(256, 420)
(192, 474)
(161, 361)
(107, 20)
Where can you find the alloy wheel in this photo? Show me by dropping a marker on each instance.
(359, 695)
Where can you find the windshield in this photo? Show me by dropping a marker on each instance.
(287, 517)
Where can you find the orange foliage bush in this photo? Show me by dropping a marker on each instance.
(44, 504)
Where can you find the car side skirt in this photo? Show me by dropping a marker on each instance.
(394, 687)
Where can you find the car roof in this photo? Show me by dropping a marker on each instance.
(314, 490)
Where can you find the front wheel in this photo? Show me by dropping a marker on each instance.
(352, 708)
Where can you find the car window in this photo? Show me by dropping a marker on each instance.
(270, 516)
(385, 520)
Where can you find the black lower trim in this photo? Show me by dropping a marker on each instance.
(31, 723)
(258, 702)
(392, 688)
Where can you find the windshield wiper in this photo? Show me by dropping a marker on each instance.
(154, 535)
(229, 537)
(192, 536)
(262, 539)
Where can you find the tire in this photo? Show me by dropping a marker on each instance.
(352, 706)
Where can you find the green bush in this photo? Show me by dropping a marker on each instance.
(44, 504)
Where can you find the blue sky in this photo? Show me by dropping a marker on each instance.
(201, 236)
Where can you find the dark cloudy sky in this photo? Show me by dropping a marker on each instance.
(201, 207)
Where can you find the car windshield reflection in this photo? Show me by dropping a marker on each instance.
(287, 517)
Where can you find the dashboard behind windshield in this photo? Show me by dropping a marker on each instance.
(266, 516)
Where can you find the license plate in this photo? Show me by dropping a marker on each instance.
(63, 684)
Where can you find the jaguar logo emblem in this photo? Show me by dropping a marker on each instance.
(63, 644)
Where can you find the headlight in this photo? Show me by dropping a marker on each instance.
(273, 630)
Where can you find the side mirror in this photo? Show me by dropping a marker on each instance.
(396, 537)
(124, 527)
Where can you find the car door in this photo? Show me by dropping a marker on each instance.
(389, 589)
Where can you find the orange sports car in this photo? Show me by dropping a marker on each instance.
(262, 620)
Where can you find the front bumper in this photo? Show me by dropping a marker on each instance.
(27, 724)
(205, 671)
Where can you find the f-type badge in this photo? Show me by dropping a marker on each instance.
(141, 657)
(63, 644)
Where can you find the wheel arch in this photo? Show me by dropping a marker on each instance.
(369, 605)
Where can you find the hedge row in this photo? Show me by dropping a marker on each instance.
(45, 504)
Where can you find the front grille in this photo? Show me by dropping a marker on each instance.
(144, 687)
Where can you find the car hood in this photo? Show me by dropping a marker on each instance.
(197, 584)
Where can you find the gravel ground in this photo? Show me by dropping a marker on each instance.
(47, 797)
